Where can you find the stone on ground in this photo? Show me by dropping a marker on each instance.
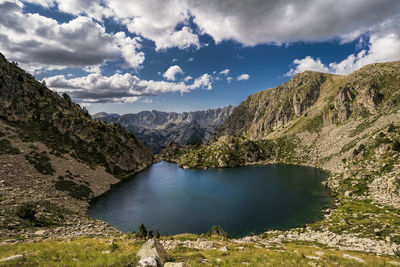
(147, 262)
(153, 249)
(347, 256)
(15, 257)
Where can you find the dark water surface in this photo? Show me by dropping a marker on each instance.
(242, 200)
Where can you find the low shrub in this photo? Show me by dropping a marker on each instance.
(41, 162)
(77, 191)
(7, 149)
(26, 211)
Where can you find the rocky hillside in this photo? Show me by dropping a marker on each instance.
(54, 159)
(42, 115)
(158, 129)
(349, 125)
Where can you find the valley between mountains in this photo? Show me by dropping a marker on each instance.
(55, 158)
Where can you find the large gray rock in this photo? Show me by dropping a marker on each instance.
(153, 249)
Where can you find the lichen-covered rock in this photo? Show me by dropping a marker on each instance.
(153, 249)
(342, 103)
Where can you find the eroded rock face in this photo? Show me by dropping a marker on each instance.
(271, 108)
(370, 99)
(305, 97)
(153, 249)
(342, 103)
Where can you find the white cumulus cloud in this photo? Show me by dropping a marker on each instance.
(243, 77)
(225, 72)
(96, 88)
(172, 72)
(382, 48)
(38, 42)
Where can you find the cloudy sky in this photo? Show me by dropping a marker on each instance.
(178, 55)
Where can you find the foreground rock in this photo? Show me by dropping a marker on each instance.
(12, 258)
(147, 262)
(154, 250)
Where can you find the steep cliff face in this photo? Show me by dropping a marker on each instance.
(262, 112)
(42, 115)
(158, 129)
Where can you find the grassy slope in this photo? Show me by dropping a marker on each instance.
(89, 252)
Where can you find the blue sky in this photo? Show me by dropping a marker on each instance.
(113, 55)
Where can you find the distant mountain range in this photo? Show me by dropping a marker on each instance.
(158, 129)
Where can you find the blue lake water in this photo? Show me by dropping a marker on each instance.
(243, 200)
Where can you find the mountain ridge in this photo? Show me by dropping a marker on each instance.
(158, 128)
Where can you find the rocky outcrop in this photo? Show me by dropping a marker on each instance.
(266, 110)
(152, 251)
(370, 99)
(158, 129)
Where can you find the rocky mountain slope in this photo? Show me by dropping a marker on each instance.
(55, 158)
(158, 129)
(43, 114)
(349, 125)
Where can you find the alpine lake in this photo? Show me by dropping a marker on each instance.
(243, 200)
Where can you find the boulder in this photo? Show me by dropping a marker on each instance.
(153, 249)
(147, 262)
(223, 249)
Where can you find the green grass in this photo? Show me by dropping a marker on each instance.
(89, 252)
(80, 252)
(314, 124)
(364, 218)
(361, 127)
(349, 145)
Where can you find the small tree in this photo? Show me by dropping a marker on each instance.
(142, 231)
(157, 235)
(391, 128)
(150, 235)
(26, 211)
(218, 231)
(396, 146)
